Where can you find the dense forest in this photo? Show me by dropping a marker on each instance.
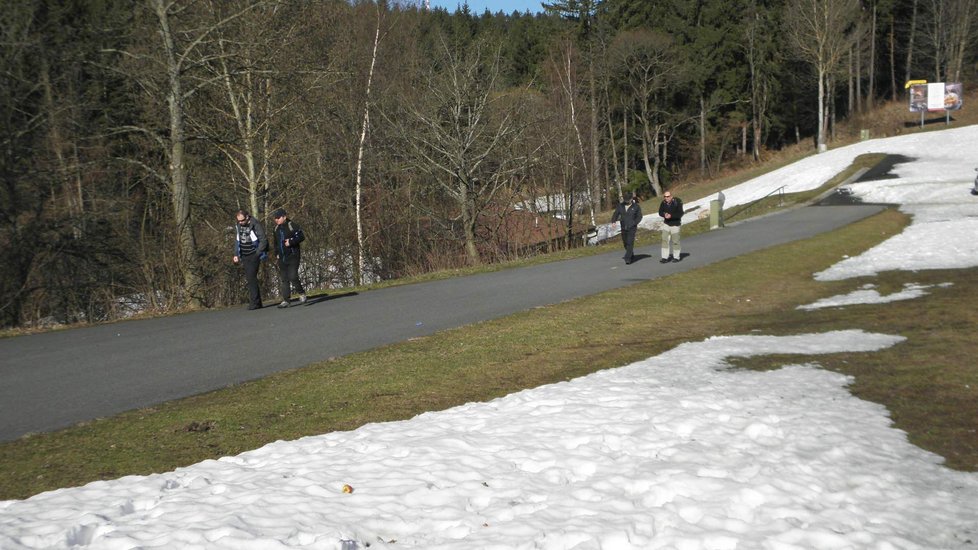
(403, 140)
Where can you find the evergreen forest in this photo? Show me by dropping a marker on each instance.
(403, 140)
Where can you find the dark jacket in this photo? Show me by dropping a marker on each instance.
(250, 239)
(675, 209)
(291, 231)
(629, 214)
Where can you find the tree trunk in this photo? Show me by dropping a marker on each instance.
(859, 73)
(72, 191)
(595, 189)
(893, 81)
(822, 147)
(961, 22)
(830, 107)
(469, 219)
(651, 143)
(266, 173)
(614, 151)
(910, 40)
(871, 93)
(758, 92)
(851, 87)
(361, 241)
(178, 180)
(571, 98)
(702, 136)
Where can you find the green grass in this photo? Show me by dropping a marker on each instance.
(928, 382)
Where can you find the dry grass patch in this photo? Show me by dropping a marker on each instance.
(929, 382)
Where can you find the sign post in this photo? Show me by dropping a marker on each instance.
(928, 97)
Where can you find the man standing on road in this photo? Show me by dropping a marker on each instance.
(250, 249)
(288, 235)
(671, 211)
(629, 213)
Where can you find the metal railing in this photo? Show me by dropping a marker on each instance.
(748, 206)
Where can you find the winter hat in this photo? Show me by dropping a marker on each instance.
(280, 213)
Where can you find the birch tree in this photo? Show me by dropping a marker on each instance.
(822, 32)
(567, 74)
(361, 147)
(248, 64)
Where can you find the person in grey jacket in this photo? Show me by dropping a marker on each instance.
(250, 249)
(629, 214)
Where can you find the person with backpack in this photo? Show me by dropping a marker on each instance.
(629, 214)
(250, 249)
(288, 235)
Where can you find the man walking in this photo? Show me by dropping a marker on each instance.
(630, 214)
(250, 249)
(288, 235)
(671, 211)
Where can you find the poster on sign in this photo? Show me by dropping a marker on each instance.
(918, 98)
(953, 97)
(936, 96)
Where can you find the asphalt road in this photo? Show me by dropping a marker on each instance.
(57, 379)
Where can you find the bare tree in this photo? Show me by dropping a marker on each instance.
(649, 66)
(822, 32)
(962, 22)
(759, 54)
(584, 13)
(172, 72)
(569, 89)
(249, 60)
(948, 31)
(464, 132)
(911, 36)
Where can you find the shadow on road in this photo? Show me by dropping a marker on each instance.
(327, 297)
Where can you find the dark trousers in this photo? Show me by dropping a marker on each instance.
(288, 271)
(628, 239)
(251, 263)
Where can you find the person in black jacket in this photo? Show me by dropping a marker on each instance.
(671, 210)
(629, 213)
(250, 249)
(288, 235)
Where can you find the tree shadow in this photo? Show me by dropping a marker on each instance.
(928, 121)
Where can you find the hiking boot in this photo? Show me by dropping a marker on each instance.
(302, 299)
(677, 259)
(664, 261)
(284, 304)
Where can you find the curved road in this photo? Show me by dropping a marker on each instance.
(56, 379)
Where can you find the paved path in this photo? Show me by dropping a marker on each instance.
(56, 379)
